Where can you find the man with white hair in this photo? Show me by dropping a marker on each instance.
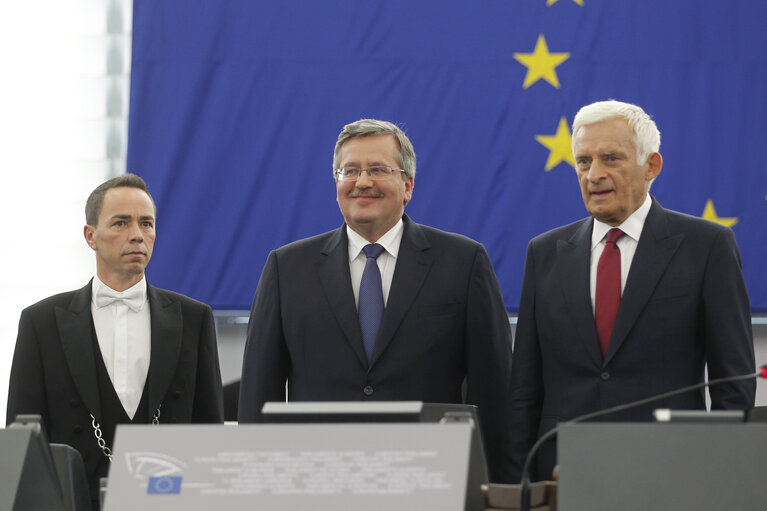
(631, 302)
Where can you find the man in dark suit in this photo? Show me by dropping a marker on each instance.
(118, 350)
(608, 317)
(440, 315)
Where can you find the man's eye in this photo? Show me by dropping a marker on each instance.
(379, 171)
(351, 172)
(119, 223)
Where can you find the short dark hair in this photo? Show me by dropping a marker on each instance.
(96, 198)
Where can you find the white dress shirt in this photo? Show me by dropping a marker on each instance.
(386, 261)
(124, 336)
(632, 228)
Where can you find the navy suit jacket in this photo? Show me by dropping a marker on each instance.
(444, 322)
(54, 368)
(684, 306)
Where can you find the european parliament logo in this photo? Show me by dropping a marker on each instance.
(161, 472)
(164, 485)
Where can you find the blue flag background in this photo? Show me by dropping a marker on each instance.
(236, 106)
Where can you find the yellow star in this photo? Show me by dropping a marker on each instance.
(552, 2)
(541, 63)
(709, 213)
(560, 145)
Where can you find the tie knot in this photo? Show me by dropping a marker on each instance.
(373, 250)
(613, 235)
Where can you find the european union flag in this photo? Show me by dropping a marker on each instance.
(164, 485)
(236, 106)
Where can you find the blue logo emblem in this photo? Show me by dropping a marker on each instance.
(164, 485)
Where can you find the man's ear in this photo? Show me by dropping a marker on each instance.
(654, 165)
(409, 185)
(88, 232)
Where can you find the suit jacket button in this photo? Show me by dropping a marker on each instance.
(368, 390)
(77, 429)
(605, 376)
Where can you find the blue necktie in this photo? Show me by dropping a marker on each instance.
(371, 304)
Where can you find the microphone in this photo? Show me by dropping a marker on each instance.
(524, 496)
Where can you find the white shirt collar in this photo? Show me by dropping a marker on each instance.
(389, 241)
(139, 287)
(632, 226)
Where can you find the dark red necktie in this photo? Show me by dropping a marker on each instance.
(608, 294)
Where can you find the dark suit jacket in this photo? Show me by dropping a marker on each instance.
(445, 321)
(54, 375)
(684, 306)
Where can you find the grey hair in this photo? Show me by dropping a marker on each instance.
(646, 135)
(373, 127)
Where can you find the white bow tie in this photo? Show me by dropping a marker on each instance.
(133, 297)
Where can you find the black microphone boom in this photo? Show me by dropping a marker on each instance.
(524, 496)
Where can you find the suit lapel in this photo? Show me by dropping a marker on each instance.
(75, 324)
(333, 270)
(654, 252)
(573, 267)
(166, 325)
(413, 264)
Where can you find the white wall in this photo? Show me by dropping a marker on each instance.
(63, 113)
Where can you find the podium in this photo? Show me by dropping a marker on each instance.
(287, 467)
(677, 466)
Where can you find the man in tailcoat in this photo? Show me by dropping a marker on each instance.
(117, 351)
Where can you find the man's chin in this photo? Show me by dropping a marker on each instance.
(600, 213)
(135, 270)
(362, 218)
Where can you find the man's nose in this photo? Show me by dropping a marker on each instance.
(596, 172)
(364, 180)
(135, 233)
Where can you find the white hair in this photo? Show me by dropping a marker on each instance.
(646, 135)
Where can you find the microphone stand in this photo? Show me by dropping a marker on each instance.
(524, 494)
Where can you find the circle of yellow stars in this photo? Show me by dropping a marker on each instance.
(541, 64)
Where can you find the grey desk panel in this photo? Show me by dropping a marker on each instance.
(289, 467)
(627, 467)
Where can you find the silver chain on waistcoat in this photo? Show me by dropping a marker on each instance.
(100, 439)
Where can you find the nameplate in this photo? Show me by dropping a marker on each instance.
(323, 467)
